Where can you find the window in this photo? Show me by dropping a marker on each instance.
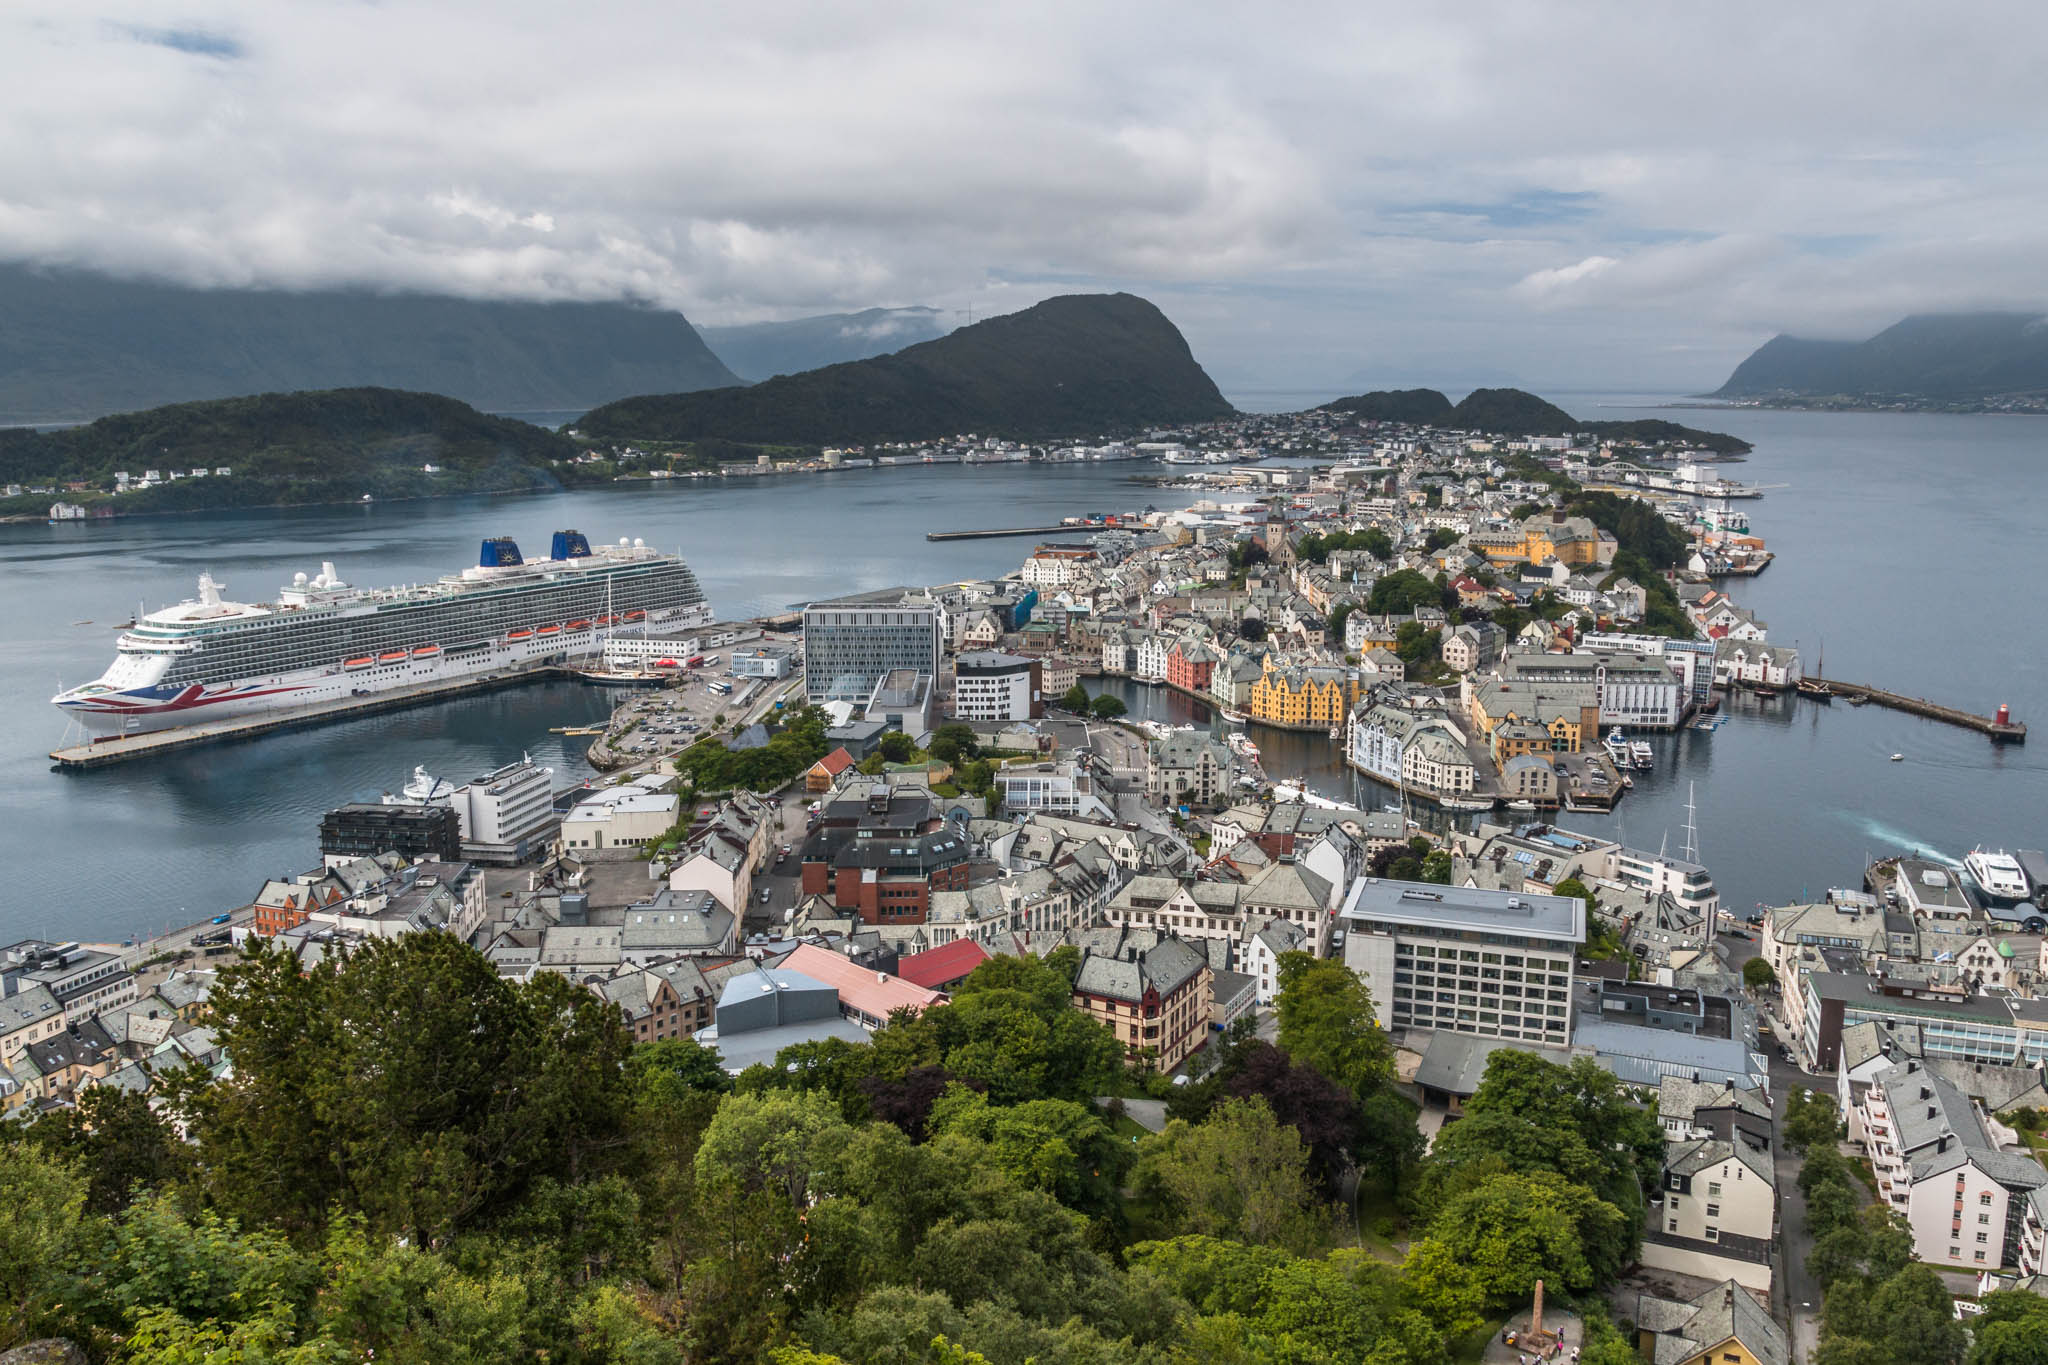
(1980, 1255)
(1984, 1198)
(1673, 1225)
(1713, 1210)
(1713, 1189)
(1983, 1236)
(1983, 1218)
(1713, 1234)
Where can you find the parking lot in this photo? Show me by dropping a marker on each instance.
(651, 723)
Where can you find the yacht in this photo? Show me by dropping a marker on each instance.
(1641, 754)
(1997, 875)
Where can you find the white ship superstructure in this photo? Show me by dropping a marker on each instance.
(1997, 875)
(211, 659)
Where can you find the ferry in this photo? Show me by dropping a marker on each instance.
(1998, 876)
(211, 659)
(1618, 748)
(1641, 754)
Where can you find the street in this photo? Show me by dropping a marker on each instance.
(1798, 1296)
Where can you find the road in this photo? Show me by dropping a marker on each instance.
(1798, 1296)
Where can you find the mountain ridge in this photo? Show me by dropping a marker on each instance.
(75, 344)
(1073, 365)
(1517, 412)
(1943, 356)
(762, 350)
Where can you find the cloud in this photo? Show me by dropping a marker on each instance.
(1335, 188)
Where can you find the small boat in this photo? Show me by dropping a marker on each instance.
(634, 616)
(1336, 732)
(1640, 752)
(367, 498)
(397, 656)
(1231, 717)
(522, 634)
(81, 623)
(363, 662)
(577, 625)
(1898, 758)
(426, 651)
(549, 630)
(606, 620)
(1521, 805)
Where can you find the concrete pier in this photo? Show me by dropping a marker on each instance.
(2006, 732)
(1017, 531)
(123, 748)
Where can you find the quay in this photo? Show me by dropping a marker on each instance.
(2002, 728)
(1015, 531)
(124, 748)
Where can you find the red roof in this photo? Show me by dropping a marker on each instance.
(835, 763)
(937, 966)
(875, 994)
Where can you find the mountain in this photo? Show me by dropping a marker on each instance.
(1416, 407)
(762, 350)
(1514, 412)
(1946, 356)
(1075, 365)
(80, 345)
(331, 446)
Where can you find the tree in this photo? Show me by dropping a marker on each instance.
(118, 1142)
(1239, 1174)
(40, 1203)
(1401, 592)
(1058, 1146)
(1513, 1230)
(1339, 614)
(1251, 628)
(1757, 974)
(2012, 1329)
(1810, 1120)
(896, 747)
(1106, 707)
(954, 741)
(1328, 1022)
(1438, 538)
(1436, 868)
(1075, 699)
(776, 1141)
(1572, 886)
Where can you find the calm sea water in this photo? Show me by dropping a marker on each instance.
(1905, 543)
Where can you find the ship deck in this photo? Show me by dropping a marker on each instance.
(125, 748)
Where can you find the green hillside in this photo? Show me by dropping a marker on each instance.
(1418, 407)
(1514, 412)
(1071, 366)
(331, 446)
(77, 345)
(1943, 356)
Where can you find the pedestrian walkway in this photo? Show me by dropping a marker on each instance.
(1564, 1334)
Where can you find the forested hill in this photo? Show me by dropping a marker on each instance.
(1071, 366)
(331, 446)
(1943, 356)
(763, 350)
(78, 345)
(1514, 412)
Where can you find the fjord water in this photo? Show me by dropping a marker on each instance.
(1908, 544)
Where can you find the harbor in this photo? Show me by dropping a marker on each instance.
(2001, 727)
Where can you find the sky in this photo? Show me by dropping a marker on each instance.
(1582, 196)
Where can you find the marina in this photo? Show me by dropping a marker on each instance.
(2001, 727)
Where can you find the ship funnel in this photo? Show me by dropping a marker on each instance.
(569, 545)
(499, 552)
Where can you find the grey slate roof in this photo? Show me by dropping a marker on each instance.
(1164, 967)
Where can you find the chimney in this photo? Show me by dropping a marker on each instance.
(1728, 1294)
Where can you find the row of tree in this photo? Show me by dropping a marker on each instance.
(415, 1160)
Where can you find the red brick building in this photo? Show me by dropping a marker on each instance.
(880, 855)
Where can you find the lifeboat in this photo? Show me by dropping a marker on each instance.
(395, 657)
(577, 625)
(426, 651)
(634, 616)
(548, 630)
(522, 634)
(363, 662)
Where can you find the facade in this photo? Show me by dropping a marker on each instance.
(1189, 666)
(365, 829)
(852, 643)
(1061, 787)
(506, 815)
(763, 661)
(1187, 769)
(1465, 959)
(1302, 698)
(1938, 1166)
(1157, 1000)
(991, 686)
(1636, 690)
(1718, 1214)
(1724, 1326)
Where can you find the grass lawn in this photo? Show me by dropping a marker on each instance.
(1124, 1126)
(1375, 1205)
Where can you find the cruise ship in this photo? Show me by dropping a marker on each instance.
(210, 659)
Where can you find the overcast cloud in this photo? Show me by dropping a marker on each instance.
(1573, 195)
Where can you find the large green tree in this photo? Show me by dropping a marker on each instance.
(1328, 1021)
(1240, 1174)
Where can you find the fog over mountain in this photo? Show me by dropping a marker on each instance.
(1572, 196)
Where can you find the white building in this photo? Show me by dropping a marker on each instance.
(1492, 963)
(629, 817)
(1953, 1173)
(1061, 787)
(992, 686)
(637, 651)
(1718, 1212)
(506, 815)
(763, 661)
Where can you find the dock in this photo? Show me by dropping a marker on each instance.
(125, 748)
(1016, 531)
(2001, 728)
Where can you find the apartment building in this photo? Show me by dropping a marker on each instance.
(1717, 1212)
(1492, 963)
(852, 643)
(1156, 1000)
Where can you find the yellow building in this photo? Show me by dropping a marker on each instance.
(1569, 540)
(1517, 721)
(1306, 698)
(1724, 1326)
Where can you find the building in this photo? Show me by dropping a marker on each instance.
(1724, 1326)
(901, 700)
(629, 816)
(944, 967)
(1636, 690)
(1056, 566)
(1940, 1167)
(1059, 786)
(852, 643)
(1189, 666)
(1573, 541)
(766, 1009)
(1310, 697)
(992, 686)
(1187, 769)
(763, 661)
(507, 816)
(677, 924)
(82, 980)
(365, 829)
(1953, 1023)
(1156, 1000)
(1758, 666)
(867, 997)
(1718, 1212)
(882, 854)
(1645, 1031)
(820, 776)
(1493, 963)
